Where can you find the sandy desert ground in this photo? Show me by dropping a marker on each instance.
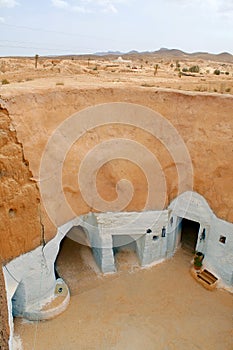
(159, 308)
(139, 70)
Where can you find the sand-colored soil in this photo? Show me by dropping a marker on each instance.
(158, 308)
(138, 71)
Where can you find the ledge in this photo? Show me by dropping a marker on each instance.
(55, 307)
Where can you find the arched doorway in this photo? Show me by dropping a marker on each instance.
(75, 262)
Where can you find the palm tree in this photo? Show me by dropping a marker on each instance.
(36, 60)
(156, 69)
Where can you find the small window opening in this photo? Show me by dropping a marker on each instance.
(222, 239)
(11, 212)
(155, 238)
(164, 231)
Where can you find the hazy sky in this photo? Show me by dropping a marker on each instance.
(52, 27)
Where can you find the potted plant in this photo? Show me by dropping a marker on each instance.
(197, 263)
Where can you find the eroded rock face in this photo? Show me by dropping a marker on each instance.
(19, 210)
(19, 196)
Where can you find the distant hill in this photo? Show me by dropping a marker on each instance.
(162, 53)
(172, 53)
(115, 53)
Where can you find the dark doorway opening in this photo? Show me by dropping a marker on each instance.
(125, 252)
(189, 234)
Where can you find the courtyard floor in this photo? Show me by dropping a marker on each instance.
(158, 308)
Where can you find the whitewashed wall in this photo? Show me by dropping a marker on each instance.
(218, 256)
(135, 225)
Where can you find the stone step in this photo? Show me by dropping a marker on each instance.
(204, 279)
(207, 277)
(210, 275)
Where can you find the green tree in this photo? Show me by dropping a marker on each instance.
(177, 64)
(194, 69)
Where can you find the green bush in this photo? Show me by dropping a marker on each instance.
(185, 69)
(227, 73)
(147, 85)
(194, 69)
(5, 81)
(197, 262)
(217, 72)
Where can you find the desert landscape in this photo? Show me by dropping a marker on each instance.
(158, 307)
(170, 69)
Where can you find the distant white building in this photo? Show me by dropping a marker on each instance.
(121, 60)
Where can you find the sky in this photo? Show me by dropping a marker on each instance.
(53, 27)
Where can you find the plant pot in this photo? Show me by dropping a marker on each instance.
(198, 261)
(199, 255)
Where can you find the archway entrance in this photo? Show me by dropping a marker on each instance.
(189, 234)
(75, 262)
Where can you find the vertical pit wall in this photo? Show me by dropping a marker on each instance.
(30, 279)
